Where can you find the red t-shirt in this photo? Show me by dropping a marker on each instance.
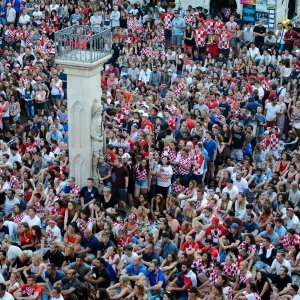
(213, 252)
(186, 245)
(29, 291)
(216, 233)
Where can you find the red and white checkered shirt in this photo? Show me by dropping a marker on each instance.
(245, 278)
(218, 26)
(200, 37)
(29, 35)
(168, 20)
(172, 157)
(82, 224)
(231, 27)
(224, 38)
(179, 89)
(243, 246)
(13, 182)
(133, 24)
(198, 163)
(288, 242)
(187, 163)
(209, 25)
(227, 290)
(18, 218)
(209, 271)
(75, 190)
(141, 174)
(10, 35)
(274, 141)
(230, 271)
(177, 188)
(188, 20)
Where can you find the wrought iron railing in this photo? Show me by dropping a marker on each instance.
(83, 43)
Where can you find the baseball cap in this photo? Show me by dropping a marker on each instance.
(215, 220)
(235, 226)
(145, 115)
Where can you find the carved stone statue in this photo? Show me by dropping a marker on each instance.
(97, 137)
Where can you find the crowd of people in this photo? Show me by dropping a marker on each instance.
(197, 192)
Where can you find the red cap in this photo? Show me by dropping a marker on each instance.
(215, 220)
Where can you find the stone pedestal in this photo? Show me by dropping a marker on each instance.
(84, 86)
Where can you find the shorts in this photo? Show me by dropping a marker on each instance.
(141, 183)
(237, 154)
(56, 97)
(177, 40)
(40, 106)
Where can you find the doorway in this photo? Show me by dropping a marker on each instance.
(217, 6)
(291, 9)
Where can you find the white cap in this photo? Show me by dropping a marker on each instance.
(145, 115)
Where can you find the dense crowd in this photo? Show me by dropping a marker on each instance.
(197, 192)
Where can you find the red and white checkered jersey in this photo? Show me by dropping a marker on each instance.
(231, 27)
(141, 174)
(209, 271)
(168, 20)
(209, 25)
(198, 164)
(218, 26)
(224, 38)
(185, 162)
(274, 141)
(200, 37)
(230, 270)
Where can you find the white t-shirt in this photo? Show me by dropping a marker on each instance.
(280, 36)
(7, 296)
(276, 266)
(254, 53)
(242, 185)
(13, 252)
(272, 111)
(55, 231)
(165, 171)
(232, 192)
(35, 221)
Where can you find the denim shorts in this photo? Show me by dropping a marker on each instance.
(236, 154)
(177, 40)
(141, 183)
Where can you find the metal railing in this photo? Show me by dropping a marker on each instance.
(83, 43)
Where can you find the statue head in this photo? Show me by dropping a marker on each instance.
(96, 107)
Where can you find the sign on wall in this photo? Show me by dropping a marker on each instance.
(249, 13)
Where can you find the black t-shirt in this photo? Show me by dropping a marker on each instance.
(268, 260)
(281, 283)
(238, 139)
(104, 274)
(261, 30)
(57, 258)
(89, 195)
(232, 239)
(111, 203)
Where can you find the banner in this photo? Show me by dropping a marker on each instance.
(254, 2)
(249, 13)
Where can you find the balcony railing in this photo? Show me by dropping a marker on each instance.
(83, 43)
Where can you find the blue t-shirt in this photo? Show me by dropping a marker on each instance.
(131, 271)
(168, 248)
(251, 227)
(156, 278)
(178, 22)
(93, 244)
(211, 148)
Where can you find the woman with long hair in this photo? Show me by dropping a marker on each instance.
(265, 217)
(263, 285)
(71, 238)
(217, 293)
(71, 214)
(247, 249)
(224, 282)
(26, 240)
(37, 268)
(121, 289)
(142, 178)
(15, 282)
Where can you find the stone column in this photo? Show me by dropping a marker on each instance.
(84, 86)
